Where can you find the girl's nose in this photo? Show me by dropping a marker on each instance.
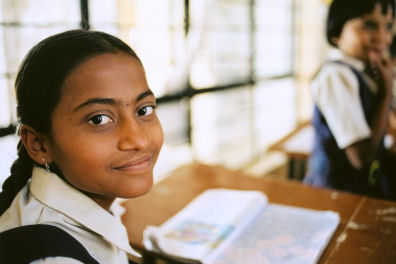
(132, 136)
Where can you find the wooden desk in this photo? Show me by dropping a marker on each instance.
(366, 234)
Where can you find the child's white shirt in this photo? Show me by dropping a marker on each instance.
(335, 90)
(47, 199)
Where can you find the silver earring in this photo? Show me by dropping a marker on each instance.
(46, 165)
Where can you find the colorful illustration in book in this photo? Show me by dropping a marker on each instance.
(193, 232)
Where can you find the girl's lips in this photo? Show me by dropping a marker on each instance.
(376, 50)
(134, 165)
(375, 54)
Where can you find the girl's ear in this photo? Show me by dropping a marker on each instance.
(35, 145)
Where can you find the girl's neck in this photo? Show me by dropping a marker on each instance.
(102, 201)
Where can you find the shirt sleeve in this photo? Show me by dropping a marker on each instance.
(336, 92)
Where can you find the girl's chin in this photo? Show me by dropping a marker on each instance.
(134, 194)
(136, 190)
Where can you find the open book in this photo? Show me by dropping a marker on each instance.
(234, 226)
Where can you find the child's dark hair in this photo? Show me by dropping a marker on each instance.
(341, 11)
(38, 89)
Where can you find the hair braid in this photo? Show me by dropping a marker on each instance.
(21, 171)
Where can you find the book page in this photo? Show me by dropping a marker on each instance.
(282, 234)
(206, 225)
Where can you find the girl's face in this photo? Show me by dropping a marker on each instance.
(106, 136)
(368, 34)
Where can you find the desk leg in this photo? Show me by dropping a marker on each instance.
(301, 169)
(291, 165)
(296, 169)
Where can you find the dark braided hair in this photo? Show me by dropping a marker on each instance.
(38, 90)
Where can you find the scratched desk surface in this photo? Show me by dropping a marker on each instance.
(369, 235)
(366, 234)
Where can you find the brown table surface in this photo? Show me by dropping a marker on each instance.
(366, 234)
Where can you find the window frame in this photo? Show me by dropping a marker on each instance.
(188, 92)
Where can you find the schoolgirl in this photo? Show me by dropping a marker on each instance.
(89, 134)
(352, 93)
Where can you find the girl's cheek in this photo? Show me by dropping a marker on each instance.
(160, 136)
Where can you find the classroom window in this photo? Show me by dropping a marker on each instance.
(222, 49)
(274, 38)
(23, 24)
(222, 70)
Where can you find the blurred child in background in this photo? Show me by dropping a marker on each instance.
(352, 93)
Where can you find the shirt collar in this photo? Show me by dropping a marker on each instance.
(52, 191)
(359, 65)
(336, 54)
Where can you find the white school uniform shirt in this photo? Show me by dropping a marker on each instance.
(335, 90)
(47, 199)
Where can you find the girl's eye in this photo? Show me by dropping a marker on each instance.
(389, 27)
(146, 110)
(370, 25)
(100, 120)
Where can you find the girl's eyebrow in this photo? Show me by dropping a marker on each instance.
(92, 101)
(144, 95)
(110, 101)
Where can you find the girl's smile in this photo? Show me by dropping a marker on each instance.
(136, 164)
(106, 136)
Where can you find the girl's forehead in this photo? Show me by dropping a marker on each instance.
(108, 65)
(110, 74)
(99, 61)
